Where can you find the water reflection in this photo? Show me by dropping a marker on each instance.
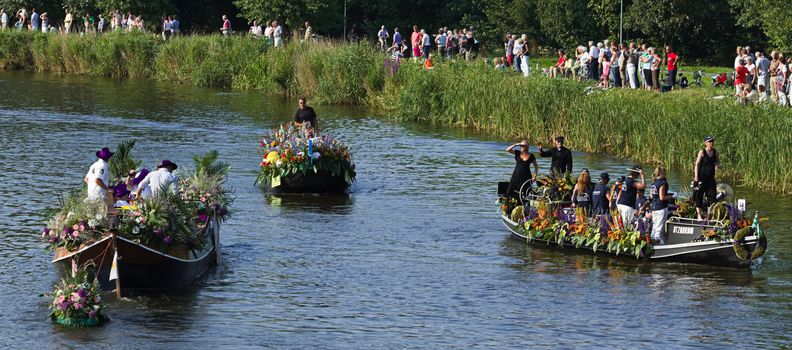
(321, 203)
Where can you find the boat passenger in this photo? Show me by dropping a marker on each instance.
(98, 178)
(121, 195)
(641, 202)
(561, 163)
(601, 196)
(625, 202)
(582, 193)
(158, 180)
(133, 180)
(660, 198)
(704, 183)
(522, 169)
(305, 114)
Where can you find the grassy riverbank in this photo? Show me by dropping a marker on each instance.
(651, 128)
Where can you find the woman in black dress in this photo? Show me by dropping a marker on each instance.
(522, 170)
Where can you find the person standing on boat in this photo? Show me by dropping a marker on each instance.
(582, 193)
(522, 169)
(658, 193)
(707, 162)
(98, 178)
(601, 196)
(562, 157)
(625, 202)
(305, 114)
(158, 180)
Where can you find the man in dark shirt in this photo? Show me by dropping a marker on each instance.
(562, 157)
(305, 114)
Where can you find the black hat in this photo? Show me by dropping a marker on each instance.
(709, 138)
(560, 139)
(635, 169)
(168, 164)
(621, 179)
(604, 176)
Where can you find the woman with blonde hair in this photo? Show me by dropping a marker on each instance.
(659, 199)
(581, 194)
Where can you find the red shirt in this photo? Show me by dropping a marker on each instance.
(742, 72)
(672, 59)
(561, 61)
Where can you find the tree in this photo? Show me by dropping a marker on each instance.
(292, 12)
(772, 16)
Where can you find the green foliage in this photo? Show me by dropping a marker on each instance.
(206, 165)
(772, 16)
(291, 12)
(122, 161)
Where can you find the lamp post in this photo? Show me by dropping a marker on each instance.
(345, 32)
(621, 20)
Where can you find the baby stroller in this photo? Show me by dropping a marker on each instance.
(697, 77)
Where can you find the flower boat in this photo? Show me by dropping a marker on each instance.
(728, 240)
(295, 160)
(164, 242)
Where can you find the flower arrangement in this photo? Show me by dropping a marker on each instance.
(76, 300)
(289, 150)
(555, 187)
(178, 217)
(76, 222)
(551, 223)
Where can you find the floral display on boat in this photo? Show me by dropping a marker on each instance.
(76, 300)
(289, 150)
(176, 216)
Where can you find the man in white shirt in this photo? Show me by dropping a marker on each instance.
(277, 31)
(268, 33)
(157, 180)
(98, 177)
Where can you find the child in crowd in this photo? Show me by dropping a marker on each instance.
(428, 62)
(604, 78)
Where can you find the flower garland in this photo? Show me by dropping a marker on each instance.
(289, 150)
(77, 222)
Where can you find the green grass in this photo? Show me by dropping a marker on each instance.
(651, 128)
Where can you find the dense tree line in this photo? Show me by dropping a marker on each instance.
(704, 31)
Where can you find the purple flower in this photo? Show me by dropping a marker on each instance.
(158, 232)
(202, 217)
(53, 239)
(45, 232)
(167, 240)
(64, 305)
(82, 293)
(92, 314)
(68, 230)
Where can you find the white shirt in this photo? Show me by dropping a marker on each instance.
(99, 170)
(4, 18)
(156, 180)
(268, 31)
(594, 52)
(277, 32)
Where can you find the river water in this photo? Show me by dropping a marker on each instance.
(414, 257)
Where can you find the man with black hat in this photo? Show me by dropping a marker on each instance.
(562, 157)
(158, 180)
(98, 178)
(707, 161)
(601, 196)
(625, 203)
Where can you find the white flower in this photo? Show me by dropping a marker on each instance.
(137, 219)
(135, 230)
(315, 155)
(278, 163)
(69, 215)
(99, 216)
(93, 223)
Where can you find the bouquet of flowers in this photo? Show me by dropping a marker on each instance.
(555, 187)
(76, 300)
(289, 150)
(75, 223)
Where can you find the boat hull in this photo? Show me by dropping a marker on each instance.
(716, 253)
(309, 182)
(142, 268)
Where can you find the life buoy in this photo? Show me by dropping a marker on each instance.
(740, 248)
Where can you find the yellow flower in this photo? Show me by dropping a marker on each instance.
(272, 157)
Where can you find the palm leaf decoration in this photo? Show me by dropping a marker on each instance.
(122, 162)
(206, 165)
